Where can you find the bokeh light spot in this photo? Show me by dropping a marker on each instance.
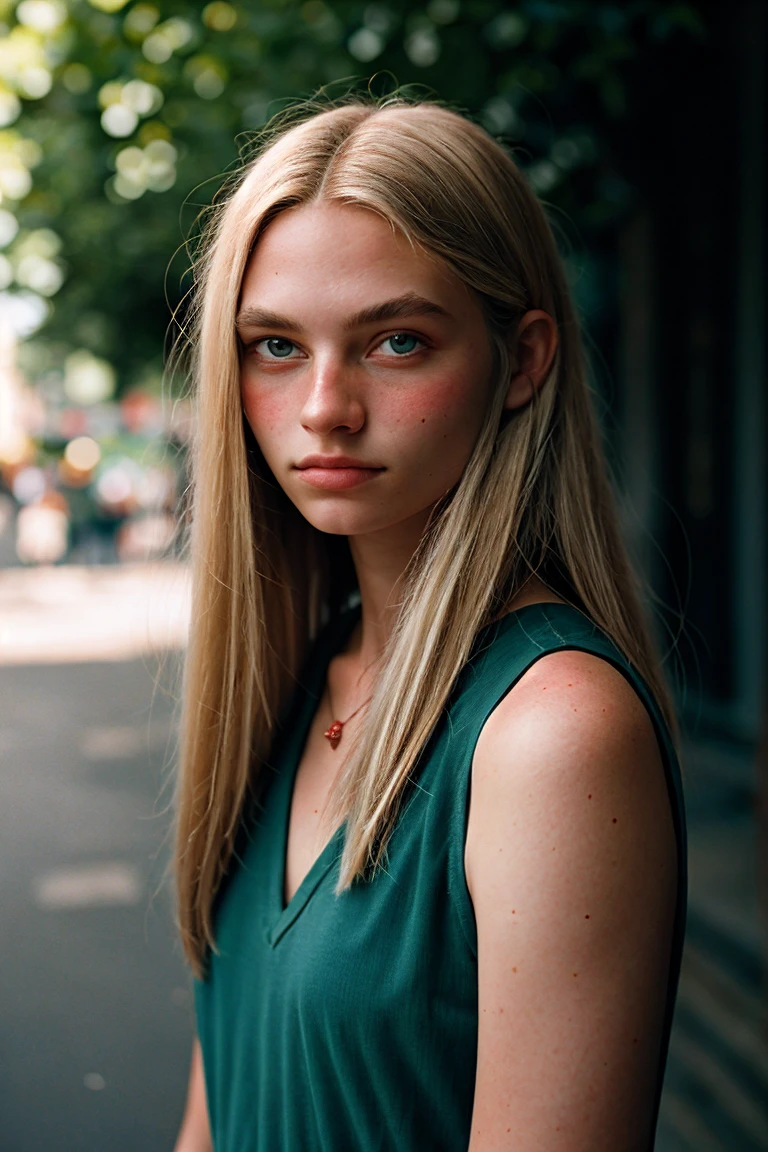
(28, 485)
(208, 76)
(25, 311)
(10, 107)
(9, 226)
(82, 453)
(110, 93)
(15, 180)
(365, 44)
(140, 21)
(142, 98)
(422, 47)
(40, 274)
(119, 120)
(76, 78)
(35, 82)
(157, 49)
(88, 379)
(43, 15)
(219, 16)
(108, 5)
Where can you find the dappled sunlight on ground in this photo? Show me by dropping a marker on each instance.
(69, 614)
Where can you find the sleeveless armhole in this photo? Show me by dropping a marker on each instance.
(504, 653)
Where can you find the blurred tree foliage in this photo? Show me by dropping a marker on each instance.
(118, 120)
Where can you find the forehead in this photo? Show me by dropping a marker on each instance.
(343, 254)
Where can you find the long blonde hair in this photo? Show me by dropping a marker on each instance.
(533, 498)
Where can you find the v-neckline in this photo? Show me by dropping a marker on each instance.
(284, 915)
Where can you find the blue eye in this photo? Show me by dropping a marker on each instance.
(278, 348)
(402, 343)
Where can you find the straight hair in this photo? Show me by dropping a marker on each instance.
(533, 499)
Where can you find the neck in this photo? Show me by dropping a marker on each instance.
(380, 560)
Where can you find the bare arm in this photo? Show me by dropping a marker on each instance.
(195, 1133)
(571, 865)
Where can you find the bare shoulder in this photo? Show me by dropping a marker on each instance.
(570, 861)
(572, 746)
(576, 698)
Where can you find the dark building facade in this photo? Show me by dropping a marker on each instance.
(690, 414)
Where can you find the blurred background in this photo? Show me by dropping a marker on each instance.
(642, 126)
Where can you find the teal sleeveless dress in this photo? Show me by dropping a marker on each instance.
(349, 1023)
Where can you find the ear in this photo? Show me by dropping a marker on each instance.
(537, 341)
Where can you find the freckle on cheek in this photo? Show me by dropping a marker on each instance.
(416, 407)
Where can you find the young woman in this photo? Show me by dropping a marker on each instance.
(431, 838)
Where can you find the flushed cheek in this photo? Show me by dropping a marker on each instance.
(445, 407)
(265, 412)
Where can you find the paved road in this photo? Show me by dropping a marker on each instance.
(95, 1006)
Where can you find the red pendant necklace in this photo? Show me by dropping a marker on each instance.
(333, 734)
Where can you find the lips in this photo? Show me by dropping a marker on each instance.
(336, 472)
(336, 462)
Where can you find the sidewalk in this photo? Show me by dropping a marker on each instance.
(67, 614)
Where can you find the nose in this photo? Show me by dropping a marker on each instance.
(332, 400)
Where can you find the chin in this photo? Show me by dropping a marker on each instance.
(349, 520)
(341, 524)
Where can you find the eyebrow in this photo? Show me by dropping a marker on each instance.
(409, 304)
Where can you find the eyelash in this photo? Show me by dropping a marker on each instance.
(400, 332)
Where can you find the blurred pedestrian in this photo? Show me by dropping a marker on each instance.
(431, 837)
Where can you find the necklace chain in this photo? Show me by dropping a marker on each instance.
(333, 733)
